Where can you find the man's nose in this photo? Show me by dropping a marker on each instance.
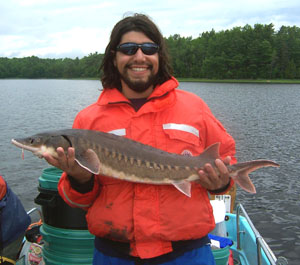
(139, 54)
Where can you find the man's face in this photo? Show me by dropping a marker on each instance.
(138, 71)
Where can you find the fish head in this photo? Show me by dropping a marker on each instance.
(43, 143)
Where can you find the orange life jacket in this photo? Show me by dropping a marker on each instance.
(148, 216)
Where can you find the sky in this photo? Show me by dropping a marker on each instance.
(76, 28)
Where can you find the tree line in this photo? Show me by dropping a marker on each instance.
(257, 52)
(34, 67)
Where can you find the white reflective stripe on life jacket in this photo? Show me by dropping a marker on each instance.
(119, 132)
(181, 127)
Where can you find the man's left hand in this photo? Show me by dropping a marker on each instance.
(215, 178)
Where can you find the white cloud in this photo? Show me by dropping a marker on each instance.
(65, 28)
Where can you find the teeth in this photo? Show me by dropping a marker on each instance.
(139, 69)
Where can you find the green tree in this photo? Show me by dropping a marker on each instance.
(241, 52)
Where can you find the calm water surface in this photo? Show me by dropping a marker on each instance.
(263, 119)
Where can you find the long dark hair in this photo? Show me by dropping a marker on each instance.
(140, 23)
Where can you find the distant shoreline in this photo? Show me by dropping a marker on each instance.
(252, 81)
(199, 80)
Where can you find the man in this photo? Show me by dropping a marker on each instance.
(141, 223)
(13, 223)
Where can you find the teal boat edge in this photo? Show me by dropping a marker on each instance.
(248, 247)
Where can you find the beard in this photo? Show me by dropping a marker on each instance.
(139, 85)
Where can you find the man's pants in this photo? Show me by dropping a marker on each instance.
(199, 256)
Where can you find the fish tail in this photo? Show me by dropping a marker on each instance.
(240, 172)
(244, 181)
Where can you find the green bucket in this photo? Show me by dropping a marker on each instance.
(221, 255)
(56, 211)
(49, 178)
(67, 246)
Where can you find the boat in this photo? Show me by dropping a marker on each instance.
(248, 246)
(64, 239)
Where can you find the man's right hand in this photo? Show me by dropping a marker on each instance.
(68, 164)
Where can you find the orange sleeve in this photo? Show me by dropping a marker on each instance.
(75, 198)
(215, 132)
(2, 188)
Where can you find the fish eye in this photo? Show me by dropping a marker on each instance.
(34, 140)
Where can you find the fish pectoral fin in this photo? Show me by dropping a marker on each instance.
(89, 160)
(184, 187)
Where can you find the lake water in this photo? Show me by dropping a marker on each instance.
(263, 119)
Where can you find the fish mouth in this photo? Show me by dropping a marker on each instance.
(32, 149)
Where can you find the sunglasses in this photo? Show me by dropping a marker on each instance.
(130, 48)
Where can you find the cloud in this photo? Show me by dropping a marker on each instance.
(42, 29)
(55, 28)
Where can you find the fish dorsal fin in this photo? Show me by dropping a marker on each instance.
(89, 160)
(210, 154)
(184, 187)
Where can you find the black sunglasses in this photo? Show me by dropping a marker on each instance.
(130, 48)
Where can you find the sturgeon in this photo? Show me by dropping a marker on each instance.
(125, 159)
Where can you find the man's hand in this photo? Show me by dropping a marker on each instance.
(212, 179)
(67, 163)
